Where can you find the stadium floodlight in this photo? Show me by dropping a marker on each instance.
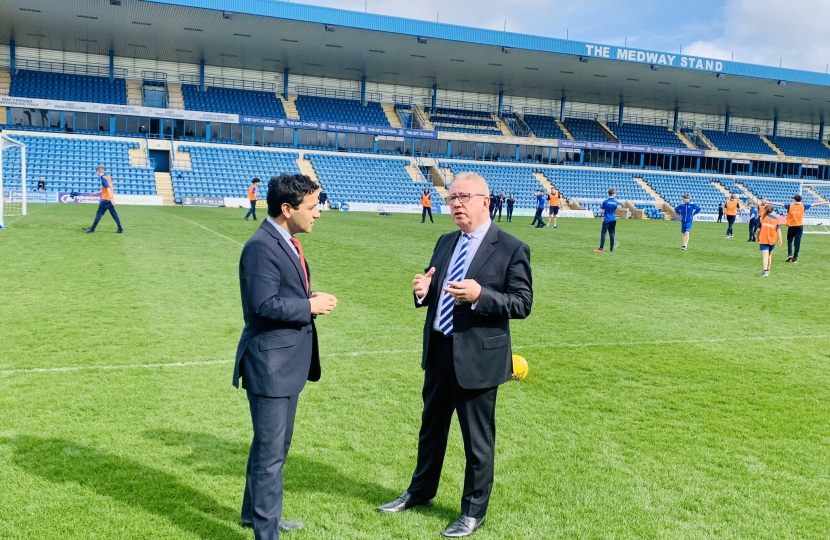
(115, 2)
(330, 28)
(505, 50)
(720, 75)
(227, 15)
(583, 59)
(654, 67)
(12, 202)
(422, 40)
(782, 83)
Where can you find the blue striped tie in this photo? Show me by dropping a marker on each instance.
(445, 308)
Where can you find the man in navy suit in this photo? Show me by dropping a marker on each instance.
(478, 279)
(278, 351)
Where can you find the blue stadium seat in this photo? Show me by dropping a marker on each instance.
(463, 121)
(584, 129)
(347, 111)
(233, 101)
(646, 135)
(544, 126)
(796, 146)
(68, 87)
(738, 142)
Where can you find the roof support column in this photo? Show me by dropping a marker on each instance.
(727, 122)
(112, 66)
(622, 111)
(562, 109)
(775, 127)
(202, 76)
(821, 131)
(501, 101)
(676, 123)
(363, 90)
(11, 57)
(434, 97)
(285, 84)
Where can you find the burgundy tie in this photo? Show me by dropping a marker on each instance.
(299, 249)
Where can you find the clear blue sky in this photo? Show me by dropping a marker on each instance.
(793, 32)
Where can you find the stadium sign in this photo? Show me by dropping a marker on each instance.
(203, 201)
(31, 197)
(374, 207)
(617, 147)
(79, 198)
(653, 58)
(358, 129)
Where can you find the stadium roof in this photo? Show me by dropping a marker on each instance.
(271, 35)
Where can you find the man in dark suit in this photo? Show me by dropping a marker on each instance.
(478, 279)
(277, 352)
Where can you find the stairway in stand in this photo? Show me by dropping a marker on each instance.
(164, 187)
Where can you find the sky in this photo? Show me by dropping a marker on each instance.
(790, 33)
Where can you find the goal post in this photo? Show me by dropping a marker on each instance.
(12, 188)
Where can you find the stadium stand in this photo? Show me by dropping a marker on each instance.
(738, 142)
(233, 101)
(584, 184)
(12, 170)
(512, 179)
(796, 146)
(227, 172)
(347, 111)
(544, 126)
(671, 188)
(646, 134)
(68, 87)
(369, 180)
(463, 121)
(782, 192)
(68, 164)
(584, 129)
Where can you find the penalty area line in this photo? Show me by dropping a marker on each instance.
(353, 354)
(237, 242)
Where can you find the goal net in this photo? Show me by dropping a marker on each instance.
(12, 178)
(814, 190)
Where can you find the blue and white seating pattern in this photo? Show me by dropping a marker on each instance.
(544, 126)
(594, 184)
(795, 146)
(357, 179)
(517, 180)
(68, 87)
(672, 187)
(232, 101)
(463, 121)
(68, 164)
(227, 172)
(782, 192)
(584, 129)
(348, 111)
(646, 135)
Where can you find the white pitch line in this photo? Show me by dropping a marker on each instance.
(237, 242)
(417, 351)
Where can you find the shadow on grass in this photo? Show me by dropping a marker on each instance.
(135, 484)
(213, 455)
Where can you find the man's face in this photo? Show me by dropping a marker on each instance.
(302, 219)
(472, 214)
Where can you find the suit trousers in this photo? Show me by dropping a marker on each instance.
(103, 208)
(477, 416)
(273, 421)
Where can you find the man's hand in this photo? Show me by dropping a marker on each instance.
(322, 303)
(421, 283)
(467, 290)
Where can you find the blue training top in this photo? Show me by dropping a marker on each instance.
(687, 212)
(541, 201)
(753, 212)
(609, 206)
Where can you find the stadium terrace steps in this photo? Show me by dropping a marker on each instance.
(134, 92)
(608, 133)
(419, 113)
(748, 192)
(415, 173)
(138, 156)
(183, 160)
(772, 145)
(686, 141)
(290, 106)
(564, 129)
(814, 193)
(164, 187)
(505, 129)
(176, 98)
(702, 136)
(660, 202)
(307, 168)
(391, 115)
(5, 83)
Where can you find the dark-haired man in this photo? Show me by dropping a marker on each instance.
(252, 198)
(278, 351)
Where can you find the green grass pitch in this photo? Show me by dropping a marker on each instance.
(671, 394)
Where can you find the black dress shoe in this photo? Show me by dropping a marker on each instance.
(463, 526)
(402, 503)
(87, 230)
(285, 525)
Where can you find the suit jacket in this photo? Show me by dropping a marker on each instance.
(278, 351)
(482, 353)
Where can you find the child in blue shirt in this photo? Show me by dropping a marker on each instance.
(687, 212)
(753, 221)
(609, 219)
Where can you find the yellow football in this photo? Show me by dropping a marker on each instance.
(520, 368)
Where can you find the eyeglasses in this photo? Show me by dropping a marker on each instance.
(462, 197)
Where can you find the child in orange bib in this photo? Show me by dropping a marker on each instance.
(769, 235)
